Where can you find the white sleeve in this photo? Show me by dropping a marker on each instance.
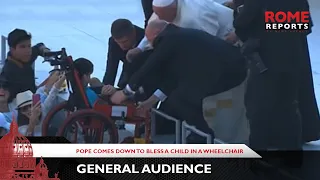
(159, 94)
(225, 18)
(47, 104)
(144, 44)
(40, 90)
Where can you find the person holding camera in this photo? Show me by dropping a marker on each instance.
(18, 67)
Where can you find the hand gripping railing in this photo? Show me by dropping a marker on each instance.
(3, 49)
(209, 137)
(186, 127)
(170, 118)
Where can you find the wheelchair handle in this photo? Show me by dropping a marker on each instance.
(53, 57)
(52, 53)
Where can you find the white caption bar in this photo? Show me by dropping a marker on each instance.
(144, 150)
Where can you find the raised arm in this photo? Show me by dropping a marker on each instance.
(112, 63)
(38, 50)
(160, 56)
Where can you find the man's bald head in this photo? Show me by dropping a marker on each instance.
(165, 9)
(154, 28)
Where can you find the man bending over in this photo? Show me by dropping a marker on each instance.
(200, 56)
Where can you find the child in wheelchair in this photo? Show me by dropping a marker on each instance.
(85, 68)
(83, 99)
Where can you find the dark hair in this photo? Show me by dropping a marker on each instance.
(4, 83)
(83, 66)
(121, 28)
(17, 36)
(22, 119)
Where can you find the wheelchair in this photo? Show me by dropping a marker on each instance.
(91, 123)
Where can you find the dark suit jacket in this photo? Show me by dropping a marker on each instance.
(281, 52)
(147, 10)
(21, 77)
(193, 61)
(115, 55)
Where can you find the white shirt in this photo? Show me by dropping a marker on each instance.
(205, 15)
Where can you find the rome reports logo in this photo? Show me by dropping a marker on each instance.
(16, 158)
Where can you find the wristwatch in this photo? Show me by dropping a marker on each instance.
(128, 92)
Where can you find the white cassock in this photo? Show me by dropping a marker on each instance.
(224, 112)
(205, 15)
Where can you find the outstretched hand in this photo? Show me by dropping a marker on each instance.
(231, 38)
(132, 53)
(60, 81)
(53, 78)
(108, 90)
(149, 103)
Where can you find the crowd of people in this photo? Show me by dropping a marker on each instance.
(189, 59)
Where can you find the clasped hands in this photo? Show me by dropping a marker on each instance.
(118, 97)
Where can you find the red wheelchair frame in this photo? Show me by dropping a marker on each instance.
(78, 106)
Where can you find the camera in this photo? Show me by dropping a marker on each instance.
(57, 58)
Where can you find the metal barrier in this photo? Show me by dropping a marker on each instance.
(181, 129)
(3, 49)
(186, 127)
(170, 118)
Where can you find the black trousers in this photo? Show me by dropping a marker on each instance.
(150, 85)
(147, 9)
(272, 110)
(307, 100)
(185, 108)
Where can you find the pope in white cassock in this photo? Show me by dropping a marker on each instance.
(225, 112)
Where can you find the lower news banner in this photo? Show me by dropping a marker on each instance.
(57, 159)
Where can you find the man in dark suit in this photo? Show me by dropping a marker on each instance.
(197, 64)
(124, 36)
(275, 123)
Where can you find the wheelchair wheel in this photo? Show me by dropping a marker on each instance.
(89, 126)
(53, 115)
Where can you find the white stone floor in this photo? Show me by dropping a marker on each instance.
(83, 27)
